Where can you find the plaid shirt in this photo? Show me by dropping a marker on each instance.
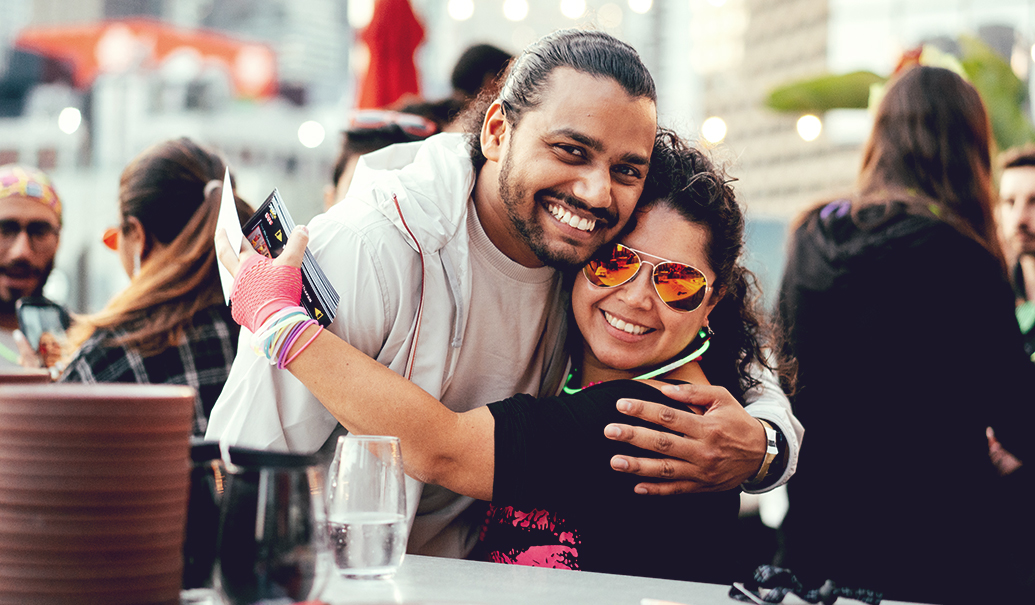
(202, 360)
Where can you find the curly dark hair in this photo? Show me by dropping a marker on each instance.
(683, 178)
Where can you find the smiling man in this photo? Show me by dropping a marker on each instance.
(30, 224)
(447, 253)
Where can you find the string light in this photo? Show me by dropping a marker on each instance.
(809, 127)
(713, 130)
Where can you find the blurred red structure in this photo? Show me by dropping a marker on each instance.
(113, 46)
(392, 37)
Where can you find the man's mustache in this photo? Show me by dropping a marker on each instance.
(23, 269)
(604, 215)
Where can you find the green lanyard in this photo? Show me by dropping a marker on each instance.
(8, 354)
(658, 372)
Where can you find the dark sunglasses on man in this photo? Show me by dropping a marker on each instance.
(39, 232)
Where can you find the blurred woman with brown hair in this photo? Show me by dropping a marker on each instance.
(170, 325)
(896, 304)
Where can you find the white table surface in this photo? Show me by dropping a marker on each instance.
(432, 580)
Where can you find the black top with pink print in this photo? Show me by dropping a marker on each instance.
(558, 503)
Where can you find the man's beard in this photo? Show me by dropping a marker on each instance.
(531, 230)
(22, 269)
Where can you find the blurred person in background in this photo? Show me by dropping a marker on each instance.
(30, 227)
(897, 306)
(1017, 214)
(370, 130)
(170, 325)
(478, 68)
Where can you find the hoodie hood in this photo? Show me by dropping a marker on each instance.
(837, 239)
(424, 178)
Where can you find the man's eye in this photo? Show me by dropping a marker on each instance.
(628, 171)
(574, 151)
(39, 229)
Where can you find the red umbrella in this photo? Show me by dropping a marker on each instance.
(392, 37)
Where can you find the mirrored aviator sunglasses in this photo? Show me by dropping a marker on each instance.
(681, 287)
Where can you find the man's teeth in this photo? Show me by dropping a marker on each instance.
(621, 325)
(565, 216)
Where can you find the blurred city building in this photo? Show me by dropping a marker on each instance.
(87, 85)
(275, 106)
(757, 45)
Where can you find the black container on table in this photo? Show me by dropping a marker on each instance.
(269, 535)
(207, 479)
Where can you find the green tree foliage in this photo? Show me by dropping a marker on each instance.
(832, 91)
(1003, 93)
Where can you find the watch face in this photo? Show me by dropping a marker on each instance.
(770, 437)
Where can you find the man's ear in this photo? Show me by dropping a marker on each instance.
(495, 130)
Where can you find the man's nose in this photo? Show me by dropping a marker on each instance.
(1027, 217)
(594, 187)
(21, 247)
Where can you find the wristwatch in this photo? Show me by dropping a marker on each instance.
(772, 450)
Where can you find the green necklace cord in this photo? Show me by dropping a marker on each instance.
(706, 336)
(8, 354)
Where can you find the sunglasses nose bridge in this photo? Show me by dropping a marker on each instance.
(640, 289)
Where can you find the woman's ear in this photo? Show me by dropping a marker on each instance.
(134, 236)
(495, 130)
(713, 300)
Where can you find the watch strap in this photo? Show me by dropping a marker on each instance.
(771, 452)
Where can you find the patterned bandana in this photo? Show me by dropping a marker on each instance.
(29, 182)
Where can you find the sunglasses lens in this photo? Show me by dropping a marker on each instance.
(416, 126)
(111, 238)
(681, 286)
(613, 267)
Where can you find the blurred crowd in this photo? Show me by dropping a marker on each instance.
(905, 323)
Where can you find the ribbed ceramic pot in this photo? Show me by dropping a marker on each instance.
(93, 492)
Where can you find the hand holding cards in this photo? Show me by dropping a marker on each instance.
(267, 232)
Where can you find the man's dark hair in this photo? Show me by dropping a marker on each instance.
(477, 64)
(590, 52)
(1017, 157)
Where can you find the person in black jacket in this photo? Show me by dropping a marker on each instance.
(896, 304)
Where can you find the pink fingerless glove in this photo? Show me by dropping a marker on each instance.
(261, 289)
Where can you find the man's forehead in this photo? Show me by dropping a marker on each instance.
(595, 111)
(22, 208)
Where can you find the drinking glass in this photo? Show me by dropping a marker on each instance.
(366, 507)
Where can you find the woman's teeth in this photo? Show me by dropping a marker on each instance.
(566, 217)
(623, 326)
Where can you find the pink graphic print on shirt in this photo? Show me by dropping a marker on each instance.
(537, 538)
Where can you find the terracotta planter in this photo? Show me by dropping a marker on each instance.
(93, 492)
